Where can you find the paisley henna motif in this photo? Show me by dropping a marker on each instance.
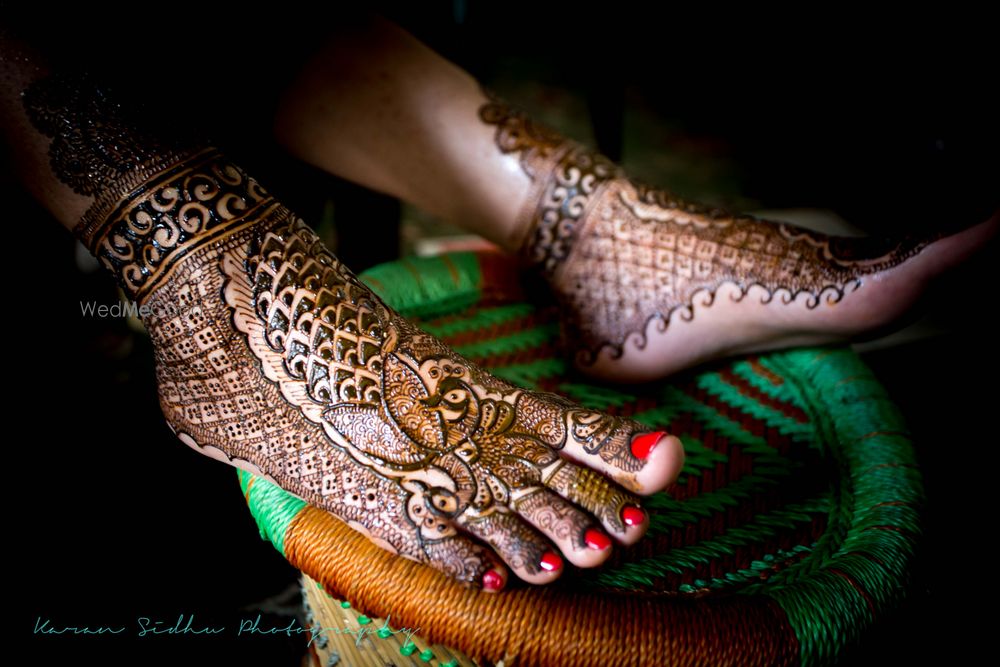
(395, 399)
(270, 353)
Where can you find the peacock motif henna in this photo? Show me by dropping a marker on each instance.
(621, 255)
(272, 355)
(392, 396)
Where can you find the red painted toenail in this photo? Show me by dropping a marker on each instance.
(595, 539)
(633, 516)
(551, 562)
(644, 444)
(492, 580)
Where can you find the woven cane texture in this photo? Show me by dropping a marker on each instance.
(788, 533)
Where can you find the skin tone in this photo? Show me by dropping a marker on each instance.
(272, 356)
(648, 283)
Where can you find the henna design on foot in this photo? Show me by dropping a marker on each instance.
(620, 255)
(272, 355)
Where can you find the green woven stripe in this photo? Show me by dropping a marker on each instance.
(697, 458)
(678, 560)
(596, 398)
(715, 385)
(427, 286)
(780, 392)
(831, 543)
(529, 374)
(477, 318)
(867, 567)
(516, 342)
(677, 513)
(661, 415)
(271, 507)
(724, 424)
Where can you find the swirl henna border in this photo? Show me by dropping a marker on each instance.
(271, 354)
(705, 297)
(562, 214)
(144, 236)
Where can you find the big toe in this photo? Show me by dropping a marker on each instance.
(640, 460)
(664, 458)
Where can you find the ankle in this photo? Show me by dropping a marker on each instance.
(566, 178)
(147, 221)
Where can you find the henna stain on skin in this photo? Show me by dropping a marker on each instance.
(271, 352)
(620, 254)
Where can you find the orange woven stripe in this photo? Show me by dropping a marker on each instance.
(495, 331)
(540, 625)
(744, 387)
(763, 371)
(499, 278)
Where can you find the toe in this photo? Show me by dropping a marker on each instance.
(597, 495)
(574, 532)
(641, 460)
(663, 455)
(636, 522)
(527, 552)
(463, 559)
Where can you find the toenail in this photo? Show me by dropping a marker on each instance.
(551, 561)
(633, 516)
(492, 580)
(644, 444)
(595, 539)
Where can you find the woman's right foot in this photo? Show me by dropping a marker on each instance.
(273, 357)
(300, 371)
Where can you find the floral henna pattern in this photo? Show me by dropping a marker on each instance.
(620, 254)
(463, 443)
(272, 355)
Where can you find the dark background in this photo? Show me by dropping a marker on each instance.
(889, 121)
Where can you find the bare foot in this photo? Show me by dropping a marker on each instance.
(650, 284)
(272, 356)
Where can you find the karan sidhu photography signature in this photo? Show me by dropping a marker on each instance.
(187, 626)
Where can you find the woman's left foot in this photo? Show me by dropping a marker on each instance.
(650, 284)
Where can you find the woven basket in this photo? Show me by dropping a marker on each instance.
(789, 532)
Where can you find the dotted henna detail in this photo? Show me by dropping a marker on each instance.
(216, 397)
(213, 395)
(398, 401)
(272, 355)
